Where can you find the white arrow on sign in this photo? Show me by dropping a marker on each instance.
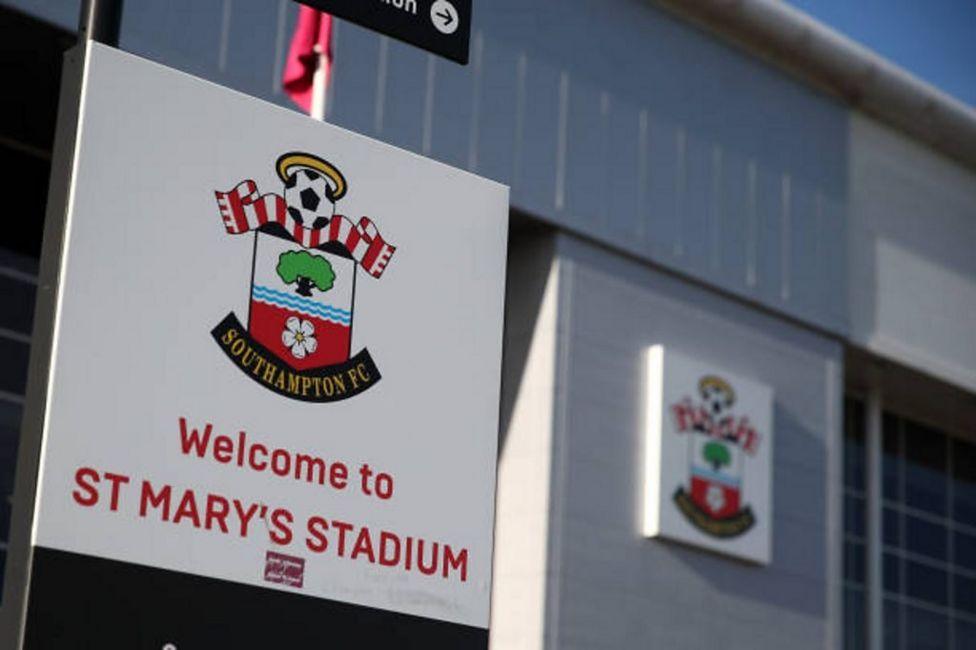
(444, 16)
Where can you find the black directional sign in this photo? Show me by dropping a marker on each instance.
(439, 26)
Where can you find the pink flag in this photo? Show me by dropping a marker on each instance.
(311, 47)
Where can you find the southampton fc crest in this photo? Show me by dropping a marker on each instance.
(717, 442)
(298, 338)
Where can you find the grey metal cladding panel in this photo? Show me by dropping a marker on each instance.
(354, 92)
(237, 43)
(451, 97)
(534, 178)
(625, 200)
(670, 599)
(185, 34)
(404, 90)
(257, 37)
(644, 159)
(501, 94)
(638, 591)
(611, 118)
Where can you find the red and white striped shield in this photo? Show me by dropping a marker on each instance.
(716, 479)
(301, 302)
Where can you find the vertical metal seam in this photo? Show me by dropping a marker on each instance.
(478, 63)
(279, 60)
(561, 140)
(642, 176)
(716, 225)
(331, 87)
(381, 66)
(786, 234)
(521, 73)
(751, 227)
(605, 110)
(680, 187)
(428, 125)
(224, 36)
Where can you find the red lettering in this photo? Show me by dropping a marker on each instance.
(281, 521)
(365, 472)
(312, 467)
(86, 478)
(241, 445)
(188, 509)
(251, 454)
(194, 441)
(386, 541)
(217, 510)
(116, 480)
(383, 485)
(317, 542)
(343, 528)
(223, 449)
(151, 499)
(426, 570)
(339, 476)
(364, 544)
(284, 468)
(245, 516)
(456, 562)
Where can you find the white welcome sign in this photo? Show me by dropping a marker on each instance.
(274, 380)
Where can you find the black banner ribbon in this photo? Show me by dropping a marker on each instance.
(325, 384)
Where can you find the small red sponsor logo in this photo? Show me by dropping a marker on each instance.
(284, 569)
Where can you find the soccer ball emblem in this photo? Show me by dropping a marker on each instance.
(312, 187)
(717, 394)
(309, 198)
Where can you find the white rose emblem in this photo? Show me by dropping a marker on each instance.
(299, 336)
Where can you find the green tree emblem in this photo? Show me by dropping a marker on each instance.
(716, 454)
(305, 270)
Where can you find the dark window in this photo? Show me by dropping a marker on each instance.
(928, 538)
(926, 481)
(964, 482)
(925, 537)
(925, 629)
(854, 634)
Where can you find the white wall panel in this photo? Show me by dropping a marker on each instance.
(912, 254)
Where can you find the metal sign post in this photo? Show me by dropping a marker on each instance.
(101, 20)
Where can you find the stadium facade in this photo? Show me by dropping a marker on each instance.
(731, 181)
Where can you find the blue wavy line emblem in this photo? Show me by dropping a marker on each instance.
(281, 299)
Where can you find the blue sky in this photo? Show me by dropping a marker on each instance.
(934, 39)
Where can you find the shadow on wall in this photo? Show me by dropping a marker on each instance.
(525, 285)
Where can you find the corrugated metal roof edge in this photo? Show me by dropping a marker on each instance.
(808, 48)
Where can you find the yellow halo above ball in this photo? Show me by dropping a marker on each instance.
(713, 381)
(288, 161)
